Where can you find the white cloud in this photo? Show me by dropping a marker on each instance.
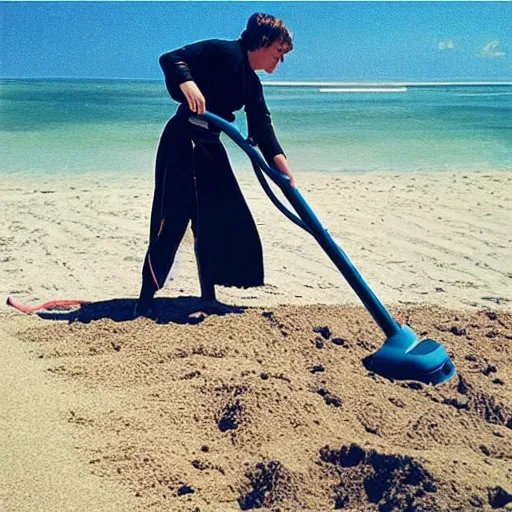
(446, 45)
(491, 50)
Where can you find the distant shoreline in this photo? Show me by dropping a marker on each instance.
(278, 83)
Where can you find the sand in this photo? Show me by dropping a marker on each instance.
(440, 239)
(265, 403)
(39, 467)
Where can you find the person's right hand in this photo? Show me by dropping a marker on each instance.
(194, 97)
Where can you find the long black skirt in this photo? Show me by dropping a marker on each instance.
(194, 182)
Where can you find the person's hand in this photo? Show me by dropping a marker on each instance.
(282, 165)
(194, 97)
(290, 175)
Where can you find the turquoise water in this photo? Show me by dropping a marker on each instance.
(76, 126)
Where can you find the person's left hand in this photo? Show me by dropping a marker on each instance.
(282, 165)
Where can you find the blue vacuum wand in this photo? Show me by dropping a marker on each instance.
(402, 356)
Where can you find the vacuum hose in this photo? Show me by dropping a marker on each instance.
(308, 221)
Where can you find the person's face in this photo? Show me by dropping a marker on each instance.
(272, 56)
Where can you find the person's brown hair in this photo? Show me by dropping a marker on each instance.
(263, 30)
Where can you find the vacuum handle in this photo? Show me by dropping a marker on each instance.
(379, 313)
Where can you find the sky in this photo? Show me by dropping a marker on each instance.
(339, 41)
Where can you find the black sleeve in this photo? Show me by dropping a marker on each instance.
(259, 121)
(178, 66)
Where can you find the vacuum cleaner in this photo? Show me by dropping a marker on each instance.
(403, 356)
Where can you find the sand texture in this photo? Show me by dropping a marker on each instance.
(440, 239)
(263, 403)
(272, 408)
(40, 467)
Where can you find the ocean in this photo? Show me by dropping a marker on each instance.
(71, 126)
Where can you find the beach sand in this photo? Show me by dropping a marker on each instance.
(441, 239)
(266, 402)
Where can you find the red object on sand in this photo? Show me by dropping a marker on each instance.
(46, 305)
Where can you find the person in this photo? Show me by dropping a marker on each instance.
(194, 180)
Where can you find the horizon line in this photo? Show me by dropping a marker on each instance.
(279, 83)
(289, 83)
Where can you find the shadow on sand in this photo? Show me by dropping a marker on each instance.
(180, 310)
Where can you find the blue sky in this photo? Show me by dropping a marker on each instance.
(342, 41)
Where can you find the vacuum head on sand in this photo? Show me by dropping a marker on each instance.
(402, 356)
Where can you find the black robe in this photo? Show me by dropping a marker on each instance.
(193, 177)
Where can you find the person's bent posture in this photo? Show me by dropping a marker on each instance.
(193, 177)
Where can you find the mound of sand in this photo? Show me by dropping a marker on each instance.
(271, 408)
